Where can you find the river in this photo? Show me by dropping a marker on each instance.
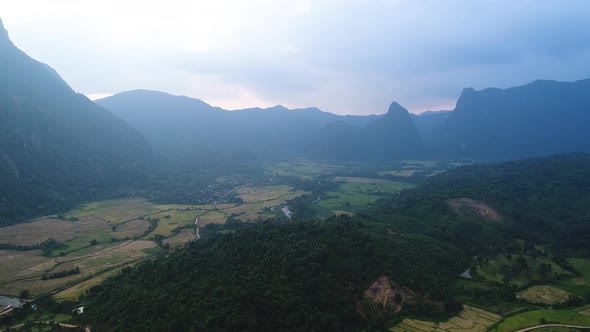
(6, 301)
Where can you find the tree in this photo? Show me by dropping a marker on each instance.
(93, 242)
(24, 294)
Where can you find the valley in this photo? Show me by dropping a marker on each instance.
(141, 210)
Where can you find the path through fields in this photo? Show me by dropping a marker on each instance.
(552, 325)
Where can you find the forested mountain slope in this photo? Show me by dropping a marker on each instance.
(56, 146)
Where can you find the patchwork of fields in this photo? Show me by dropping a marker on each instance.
(470, 319)
(102, 237)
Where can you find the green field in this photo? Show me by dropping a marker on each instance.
(302, 169)
(498, 268)
(578, 285)
(356, 193)
(535, 317)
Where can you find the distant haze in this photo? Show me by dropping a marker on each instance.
(342, 56)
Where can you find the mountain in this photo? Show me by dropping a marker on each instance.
(540, 118)
(56, 146)
(394, 136)
(429, 123)
(186, 129)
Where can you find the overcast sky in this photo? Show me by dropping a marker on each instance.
(343, 56)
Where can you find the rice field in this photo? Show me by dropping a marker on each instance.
(536, 317)
(469, 320)
(544, 295)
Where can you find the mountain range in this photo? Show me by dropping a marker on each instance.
(58, 148)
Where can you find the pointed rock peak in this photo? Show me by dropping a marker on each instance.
(396, 108)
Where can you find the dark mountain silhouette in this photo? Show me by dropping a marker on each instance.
(429, 123)
(540, 118)
(184, 129)
(393, 136)
(56, 146)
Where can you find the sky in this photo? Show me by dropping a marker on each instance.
(342, 56)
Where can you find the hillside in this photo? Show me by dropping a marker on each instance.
(537, 119)
(541, 200)
(57, 148)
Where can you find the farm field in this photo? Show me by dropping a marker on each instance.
(105, 235)
(577, 285)
(303, 169)
(535, 317)
(95, 237)
(544, 295)
(24, 269)
(355, 193)
(469, 320)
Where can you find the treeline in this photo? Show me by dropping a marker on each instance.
(47, 246)
(61, 274)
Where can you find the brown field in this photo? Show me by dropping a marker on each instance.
(469, 320)
(256, 194)
(544, 295)
(178, 218)
(167, 207)
(183, 237)
(131, 228)
(117, 211)
(213, 217)
(41, 230)
(23, 270)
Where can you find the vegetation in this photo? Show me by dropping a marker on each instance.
(61, 274)
(538, 317)
(303, 275)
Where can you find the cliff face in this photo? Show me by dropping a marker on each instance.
(540, 118)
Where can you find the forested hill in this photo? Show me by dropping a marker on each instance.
(310, 276)
(56, 146)
(541, 200)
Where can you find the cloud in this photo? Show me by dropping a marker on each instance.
(344, 56)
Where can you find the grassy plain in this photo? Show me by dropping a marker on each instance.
(497, 268)
(303, 169)
(577, 285)
(355, 193)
